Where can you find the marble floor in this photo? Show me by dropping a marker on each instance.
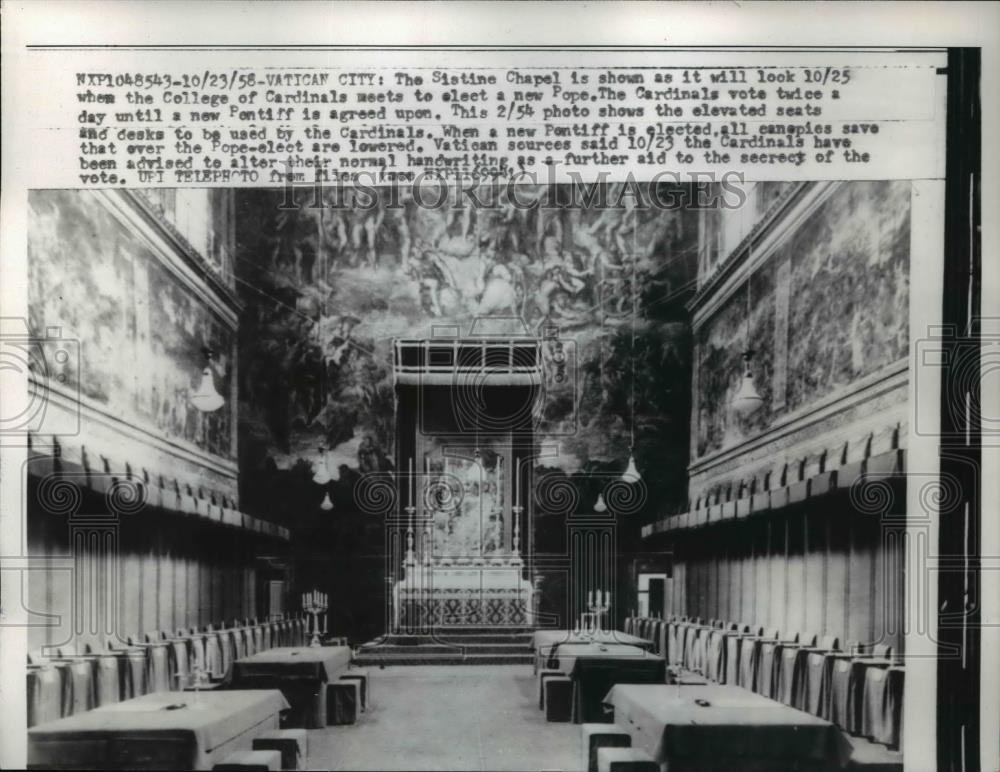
(468, 717)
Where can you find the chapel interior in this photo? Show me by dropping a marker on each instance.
(568, 486)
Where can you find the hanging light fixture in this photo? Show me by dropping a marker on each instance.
(327, 505)
(205, 398)
(599, 505)
(631, 474)
(321, 474)
(747, 400)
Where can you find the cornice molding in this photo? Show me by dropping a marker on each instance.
(140, 432)
(174, 252)
(780, 221)
(891, 377)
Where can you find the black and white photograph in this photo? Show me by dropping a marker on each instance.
(527, 407)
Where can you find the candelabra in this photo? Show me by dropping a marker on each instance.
(428, 548)
(411, 559)
(315, 604)
(516, 551)
(596, 609)
(196, 679)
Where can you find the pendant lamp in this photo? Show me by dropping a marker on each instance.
(205, 398)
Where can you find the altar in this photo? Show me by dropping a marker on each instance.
(442, 595)
(465, 439)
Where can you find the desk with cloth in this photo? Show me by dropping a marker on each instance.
(301, 673)
(596, 667)
(719, 728)
(543, 641)
(164, 730)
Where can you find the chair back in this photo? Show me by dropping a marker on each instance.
(829, 643)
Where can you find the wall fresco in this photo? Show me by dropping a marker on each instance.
(850, 258)
(141, 332)
(327, 290)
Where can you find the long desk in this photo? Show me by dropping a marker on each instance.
(544, 638)
(300, 673)
(543, 641)
(595, 668)
(717, 728)
(164, 730)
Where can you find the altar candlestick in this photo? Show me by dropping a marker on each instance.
(517, 468)
(590, 598)
(411, 482)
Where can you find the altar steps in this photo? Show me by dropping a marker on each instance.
(451, 646)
